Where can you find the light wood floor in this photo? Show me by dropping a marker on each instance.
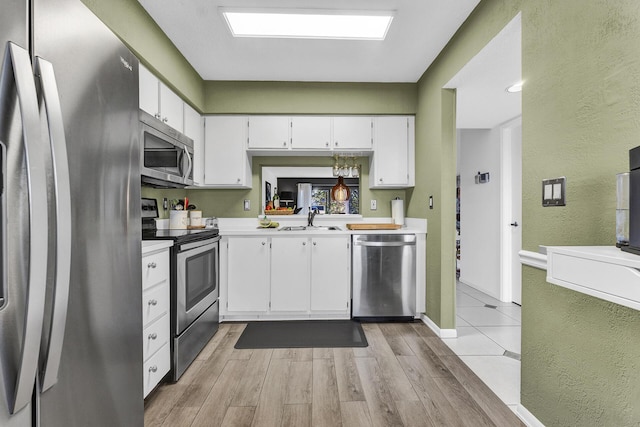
(406, 377)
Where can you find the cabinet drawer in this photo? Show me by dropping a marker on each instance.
(155, 303)
(155, 368)
(155, 268)
(154, 336)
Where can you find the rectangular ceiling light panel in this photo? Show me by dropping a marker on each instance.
(309, 24)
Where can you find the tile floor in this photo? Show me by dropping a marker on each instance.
(489, 341)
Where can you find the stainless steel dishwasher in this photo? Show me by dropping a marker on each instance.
(384, 276)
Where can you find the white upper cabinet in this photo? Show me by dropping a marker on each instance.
(149, 87)
(160, 101)
(226, 163)
(171, 108)
(311, 133)
(393, 161)
(194, 129)
(269, 132)
(351, 133)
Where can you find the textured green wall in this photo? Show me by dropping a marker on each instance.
(581, 103)
(310, 98)
(134, 26)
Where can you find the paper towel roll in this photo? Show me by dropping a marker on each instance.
(397, 211)
(178, 220)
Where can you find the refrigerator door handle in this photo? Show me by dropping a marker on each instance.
(18, 71)
(62, 189)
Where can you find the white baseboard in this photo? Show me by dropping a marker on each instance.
(442, 333)
(527, 417)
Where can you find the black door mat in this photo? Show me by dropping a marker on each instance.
(302, 334)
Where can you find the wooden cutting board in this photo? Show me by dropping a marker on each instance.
(373, 226)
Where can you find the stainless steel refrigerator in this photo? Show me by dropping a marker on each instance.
(70, 300)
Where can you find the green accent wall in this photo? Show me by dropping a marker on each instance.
(580, 355)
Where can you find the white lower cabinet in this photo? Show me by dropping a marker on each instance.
(155, 317)
(330, 274)
(289, 274)
(289, 277)
(248, 274)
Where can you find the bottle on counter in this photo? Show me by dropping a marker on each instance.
(276, 199)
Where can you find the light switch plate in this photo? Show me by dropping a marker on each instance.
(247, 204)
(553, 192)
(374, 205)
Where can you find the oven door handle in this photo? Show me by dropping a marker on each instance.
(199, 244)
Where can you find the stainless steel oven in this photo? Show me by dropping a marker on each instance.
(166, 155)
(195, 302)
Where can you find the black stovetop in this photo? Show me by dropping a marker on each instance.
(180, 236)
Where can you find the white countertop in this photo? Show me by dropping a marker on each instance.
(250, 227)
(149, 246)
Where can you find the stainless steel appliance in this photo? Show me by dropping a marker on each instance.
(384, 276)
(70, 310)
(166, 155)
(195, 278)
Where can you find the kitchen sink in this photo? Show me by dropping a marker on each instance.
(311, 228)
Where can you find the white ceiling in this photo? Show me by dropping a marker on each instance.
(419, 31)
(482, 101)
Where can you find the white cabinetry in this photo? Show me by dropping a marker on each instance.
(248, 274)
(311, 133)
(289, 274)
(330, 273)
(226, 163)
(160, 101)
(352, 133)
(289, 277)
(393, 161)
(268, 132)
(194, 129)
(155, 317)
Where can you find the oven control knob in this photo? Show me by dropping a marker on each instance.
(151, 265)
(153, 336)
(153, 302)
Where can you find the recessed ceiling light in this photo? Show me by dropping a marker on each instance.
(308, 23)
(515, 88)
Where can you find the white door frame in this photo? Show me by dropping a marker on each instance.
(506, 202)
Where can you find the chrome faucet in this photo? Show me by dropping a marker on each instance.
(310, 217)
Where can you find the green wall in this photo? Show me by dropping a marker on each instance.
(580, 355)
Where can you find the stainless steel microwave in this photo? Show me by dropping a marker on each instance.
(166, 157)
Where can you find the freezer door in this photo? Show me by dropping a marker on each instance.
(100, 369)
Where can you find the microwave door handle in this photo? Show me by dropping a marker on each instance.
(62, 188)
(17, 77)
(190, 162)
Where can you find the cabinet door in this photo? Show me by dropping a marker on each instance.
(330, 273)
(226, 162)
(148, 88)
(194, 129)
(271, 132)
(289, 274)
(311, 133)
(248, 274)
(391, 152)
(352, 133)
(171, 108)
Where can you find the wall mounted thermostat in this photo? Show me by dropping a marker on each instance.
(553, 192)
(482, 178)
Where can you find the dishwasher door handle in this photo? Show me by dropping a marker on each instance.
(383, 244)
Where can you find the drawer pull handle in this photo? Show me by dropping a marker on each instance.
(153, 368)
(153, 336)
(153, 302)
(314, 243)
(151, 265)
